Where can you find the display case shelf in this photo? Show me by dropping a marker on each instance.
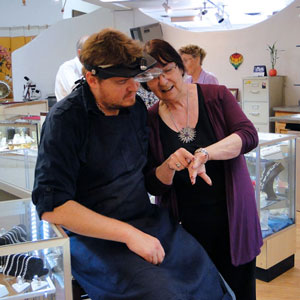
(19, 138)
(272, 170)
(40, 259)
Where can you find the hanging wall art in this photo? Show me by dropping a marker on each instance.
(236, 59)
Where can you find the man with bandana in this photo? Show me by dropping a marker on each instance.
(89, 179)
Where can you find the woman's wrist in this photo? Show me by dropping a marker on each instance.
(165, 173)
(203, 151)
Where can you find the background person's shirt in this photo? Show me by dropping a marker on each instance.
(204, 78)
(69, 72)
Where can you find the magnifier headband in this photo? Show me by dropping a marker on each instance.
(140, 69)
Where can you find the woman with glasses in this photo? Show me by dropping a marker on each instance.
(192, 57)
(196, 167)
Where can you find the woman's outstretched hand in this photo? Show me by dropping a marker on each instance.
(197, 167)
(182, 159)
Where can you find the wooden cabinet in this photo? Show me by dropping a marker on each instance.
(260, 95)
(280, 126)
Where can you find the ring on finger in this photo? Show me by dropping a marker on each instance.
(178, 165)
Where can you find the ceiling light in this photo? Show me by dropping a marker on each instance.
(219, 17)
(167, 8)
(203, 10)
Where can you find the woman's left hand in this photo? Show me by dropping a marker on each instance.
(197, 167)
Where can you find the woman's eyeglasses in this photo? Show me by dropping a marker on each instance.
(155, 73)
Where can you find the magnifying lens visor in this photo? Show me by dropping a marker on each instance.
(138, 69)
(148, 75)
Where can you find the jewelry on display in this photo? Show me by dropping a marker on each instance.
(16, 235)
(3, 290)
(204, 151)
(17, 267)
(21, 230)
(270, 172)
(178, 165)
(10, 240)
(26, 265)
(23, 265)
(23, 261)
(186, 134)
(6, 264)
(11, 264)
(2, 262)
(20, 285)
(38, 284)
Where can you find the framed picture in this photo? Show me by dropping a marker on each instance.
(260, 71)
(235, 93)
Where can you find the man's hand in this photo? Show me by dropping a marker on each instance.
(146, 246)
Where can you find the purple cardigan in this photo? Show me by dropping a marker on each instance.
(226, 118)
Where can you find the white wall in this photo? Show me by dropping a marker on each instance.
(17, 19)
(252, 43)
(35, 12)
(40, 59)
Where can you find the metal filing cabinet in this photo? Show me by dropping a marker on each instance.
(260, 95)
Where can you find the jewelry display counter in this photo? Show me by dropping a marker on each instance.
(272, 169)
(24, 108)
(19, 132)
(34, 255)
(17, 171)
(19, 138)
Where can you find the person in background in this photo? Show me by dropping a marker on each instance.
(89, 179)
(200, 130)
(69, 72)
(192, 57)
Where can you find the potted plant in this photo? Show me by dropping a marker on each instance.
(273, 56)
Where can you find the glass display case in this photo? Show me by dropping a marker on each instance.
(34, 255)
(19, 132)
(272, 170)
(19, 138)
(17, 171)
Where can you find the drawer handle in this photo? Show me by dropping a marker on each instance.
(254, 114)
(254, 92)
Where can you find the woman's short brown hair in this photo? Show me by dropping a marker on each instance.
(163, 52)
(193, 50)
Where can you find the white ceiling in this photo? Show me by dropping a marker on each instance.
(237, 13)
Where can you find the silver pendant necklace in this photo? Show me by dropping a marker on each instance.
(186, 134)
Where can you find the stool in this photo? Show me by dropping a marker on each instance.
(78, 291)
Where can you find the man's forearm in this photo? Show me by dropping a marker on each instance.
(79, 219)
(84, 221)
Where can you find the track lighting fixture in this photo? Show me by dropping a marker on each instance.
(166, 6)
(219, 17)
(204, 10)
